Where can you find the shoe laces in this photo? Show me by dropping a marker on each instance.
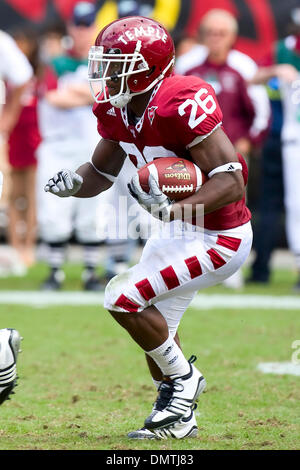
(166, 391)
(167, 388)
(165, 394)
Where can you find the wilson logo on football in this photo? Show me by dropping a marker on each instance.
(179, 176)
(180, 171)
(180, 165)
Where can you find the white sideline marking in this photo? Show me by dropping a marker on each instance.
(201, 301)
(279, 368)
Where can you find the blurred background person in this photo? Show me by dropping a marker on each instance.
(270, 210)
(245, 108)
(184, 44)
(16, 71)
(284, 63)
(15, 74)
(69, 136)
(23, 141)
(53, 40)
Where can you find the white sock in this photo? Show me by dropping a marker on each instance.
(56, 256)
(91, 256)
(169, 358)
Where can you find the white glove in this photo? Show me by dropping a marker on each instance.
(65, 183)
(155, 202)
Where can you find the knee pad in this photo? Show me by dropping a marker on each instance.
(122, 296)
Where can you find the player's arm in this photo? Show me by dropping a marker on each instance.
(217, 157)
(100, 174)
(70, 97)
(223, 187)
(285, 72)
(92, 177)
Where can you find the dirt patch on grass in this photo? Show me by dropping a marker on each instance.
(273, 421)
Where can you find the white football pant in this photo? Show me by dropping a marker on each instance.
(174, 266)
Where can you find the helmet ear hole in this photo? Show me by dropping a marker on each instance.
(150, 71)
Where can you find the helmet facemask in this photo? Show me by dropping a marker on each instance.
(114, 66)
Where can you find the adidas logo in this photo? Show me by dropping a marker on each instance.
(230, 167)
(111, 112)
(168, 350)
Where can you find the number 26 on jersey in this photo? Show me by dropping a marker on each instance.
(201, 99)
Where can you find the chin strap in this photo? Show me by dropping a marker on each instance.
(121, 101)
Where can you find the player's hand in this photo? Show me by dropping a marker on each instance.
(287, 72)
(65, 183)
(155, 202)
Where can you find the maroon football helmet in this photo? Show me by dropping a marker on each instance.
(136, 50)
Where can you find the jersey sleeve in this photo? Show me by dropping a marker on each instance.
(103, 126)
(193, 113)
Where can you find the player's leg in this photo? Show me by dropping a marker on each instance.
(31, 228)
(182, 382)
(291, 169)
(151, 331)
(186, 427)
(122, 221)
(54, 215)
(16, 210)
(22, 213)
(88, 234)
(154, 370)
(170, 269)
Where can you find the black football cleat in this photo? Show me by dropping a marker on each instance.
(54, 281)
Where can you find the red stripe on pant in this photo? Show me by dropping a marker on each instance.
(126, 304)
(193, 266)
(216, 259)
(229, 242)
(145, 289)
(169, 276)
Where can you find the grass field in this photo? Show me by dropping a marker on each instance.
(84, 384)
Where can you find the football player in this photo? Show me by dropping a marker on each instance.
(146, 112)
(9, 348)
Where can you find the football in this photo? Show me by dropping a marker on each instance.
(177, 177)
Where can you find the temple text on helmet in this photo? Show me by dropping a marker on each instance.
(139, 32)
